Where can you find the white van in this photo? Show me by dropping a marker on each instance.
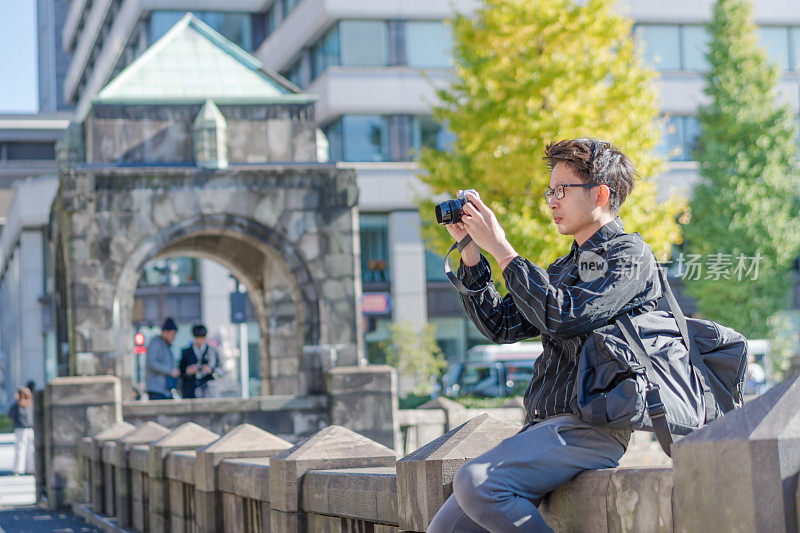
(504, 352)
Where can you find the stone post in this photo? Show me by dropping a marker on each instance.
(103, 481)
(75, 407)
(145, 434)
(364, 400)
(425, 477)
(331, 447)
(455, 414)
(188, 436)
(739, 473)
(242, 441)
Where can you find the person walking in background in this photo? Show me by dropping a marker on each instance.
(160, 363)
(199, 366)
(21, 415)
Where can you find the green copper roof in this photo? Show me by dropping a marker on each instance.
(194, 63)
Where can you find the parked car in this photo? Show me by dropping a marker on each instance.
(504, 352)
(487, 378)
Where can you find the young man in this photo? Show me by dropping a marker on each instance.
(160, 363)
(606, 273)
(199, 365)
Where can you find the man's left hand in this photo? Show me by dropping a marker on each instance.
(482, 225)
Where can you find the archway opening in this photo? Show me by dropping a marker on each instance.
(194, 290)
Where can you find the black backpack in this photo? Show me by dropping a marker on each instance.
(659, 371)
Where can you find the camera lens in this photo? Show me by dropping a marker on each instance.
(450, 211)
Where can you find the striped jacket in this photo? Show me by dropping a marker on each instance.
(611, 273)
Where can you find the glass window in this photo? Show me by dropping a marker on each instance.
(671, 135)
(679, 138)
(272, 21)
(288, 6)
(364, 42)
(695, 47)
(775, 39)
(333, 132)
(794, 46)
(374, 230)
(365, 138)
(691, 133)
(173, 272)
(293, 73)
(427, 133)
(325, 53)
(661, 45)
(236, 27)
(428, 44)
(434, 267)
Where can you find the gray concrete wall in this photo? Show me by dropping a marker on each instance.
(125, 134)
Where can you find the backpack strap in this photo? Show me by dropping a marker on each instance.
(652, 396)
(695, 356)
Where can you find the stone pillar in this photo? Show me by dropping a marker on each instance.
(739, 473)
(103, 498)
(425, 477)
(331, 447)
(455, 414)
(242, 441)
(188, 436)
(75, 407)
(94, 461)
(364, 400)
(39, 448)
(145, 434)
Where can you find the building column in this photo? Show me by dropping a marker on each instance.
(407, 264)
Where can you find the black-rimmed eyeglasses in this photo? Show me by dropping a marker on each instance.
(560, 190)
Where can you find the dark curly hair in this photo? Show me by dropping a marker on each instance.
(595, 162)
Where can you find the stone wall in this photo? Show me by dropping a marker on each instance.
(289, 417)
(289, 233)
(737, 474)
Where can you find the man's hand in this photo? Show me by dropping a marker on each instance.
(482, 225)
(175, 373)
(191, 370)
(206, 369)
(470, 255)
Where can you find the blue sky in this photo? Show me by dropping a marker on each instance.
(18, 74)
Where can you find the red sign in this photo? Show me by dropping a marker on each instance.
(376, 303)
(138, 339)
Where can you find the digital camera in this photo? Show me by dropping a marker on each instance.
(451, 211)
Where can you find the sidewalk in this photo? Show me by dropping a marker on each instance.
(17, 496)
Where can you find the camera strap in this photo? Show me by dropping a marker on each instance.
(449, 273)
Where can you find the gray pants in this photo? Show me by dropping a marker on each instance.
(493, 492)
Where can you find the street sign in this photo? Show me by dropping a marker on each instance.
(238, 308)
(376, 303)
(138, 343)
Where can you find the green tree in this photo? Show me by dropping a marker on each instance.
(415, 354)
(528, 72)
(746, 203)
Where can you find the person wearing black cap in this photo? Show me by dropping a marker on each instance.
(199, 365)
(161, 363)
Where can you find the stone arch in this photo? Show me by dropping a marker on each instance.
(270, 267)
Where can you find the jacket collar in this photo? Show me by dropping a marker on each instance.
(605, 233)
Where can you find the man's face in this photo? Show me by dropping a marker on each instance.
(169, 336)
(578, 209)
(199, 341)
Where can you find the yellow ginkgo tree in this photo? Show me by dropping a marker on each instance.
(528, 72)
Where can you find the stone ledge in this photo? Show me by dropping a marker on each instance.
(363, 493)
(223, 405)
(139, 458)
(247, 478)
(180, 466)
